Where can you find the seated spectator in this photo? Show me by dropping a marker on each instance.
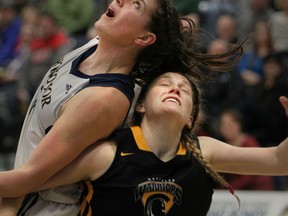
(226, 28)
(279, 31)
(225, 91)
(263, 101)
(10, 25)
(14, 68)
(28, 16)
(209, 12)
(251, 64)
(230, 128)
(250, 12)
(11, 115)
(279, 27)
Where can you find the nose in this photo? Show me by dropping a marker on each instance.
(175, 90)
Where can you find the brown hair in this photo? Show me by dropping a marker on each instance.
(181, 44)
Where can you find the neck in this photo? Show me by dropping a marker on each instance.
(163, 139)
(109, 59)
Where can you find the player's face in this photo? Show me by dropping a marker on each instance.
(171, 95)
(125, 20)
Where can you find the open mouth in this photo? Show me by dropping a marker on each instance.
(110, 12)
(172, 100)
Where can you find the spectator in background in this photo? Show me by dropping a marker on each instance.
(28, 16)
(11, 115)
(279, 31)
(47, 47)
(14, 68)
(226, 90)
(226, 28)
(250, 12)
(231, 130)
(10, 25)
(74, 16)
(251, 64)
(263, 102)
(211, 10)
(279, 27)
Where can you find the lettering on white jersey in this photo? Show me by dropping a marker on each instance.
(47, 88)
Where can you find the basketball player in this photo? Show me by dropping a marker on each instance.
(158, 167)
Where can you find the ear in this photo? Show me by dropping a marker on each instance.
(146, 39)
(189, 123)
(140, 108)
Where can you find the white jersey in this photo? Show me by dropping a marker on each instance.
(61, 82)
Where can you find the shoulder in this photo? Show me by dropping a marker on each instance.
(96, 97)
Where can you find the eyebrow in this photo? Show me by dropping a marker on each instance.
(185, 81)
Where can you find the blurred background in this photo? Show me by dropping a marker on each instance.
(240, 107)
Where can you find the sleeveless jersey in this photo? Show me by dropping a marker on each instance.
(61, 82)
(139, 183)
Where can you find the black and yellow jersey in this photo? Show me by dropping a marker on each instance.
(138, 183)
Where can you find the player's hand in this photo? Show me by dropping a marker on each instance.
(284, 102)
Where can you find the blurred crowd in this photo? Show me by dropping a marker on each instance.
(240, 107)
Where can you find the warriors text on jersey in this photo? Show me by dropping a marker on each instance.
(138, 183)
(61, 82)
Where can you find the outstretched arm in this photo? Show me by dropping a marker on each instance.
(90, 165)
(247, 160)
(86, 119)
(282, 150)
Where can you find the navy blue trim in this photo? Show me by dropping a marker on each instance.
(74, 69)
(122, 82)
(28, 202)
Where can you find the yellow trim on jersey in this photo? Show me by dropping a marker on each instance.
(181, 150)
(139, 139)
(142, 145)
(87, 200)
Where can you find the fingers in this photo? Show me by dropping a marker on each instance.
(284, 102)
